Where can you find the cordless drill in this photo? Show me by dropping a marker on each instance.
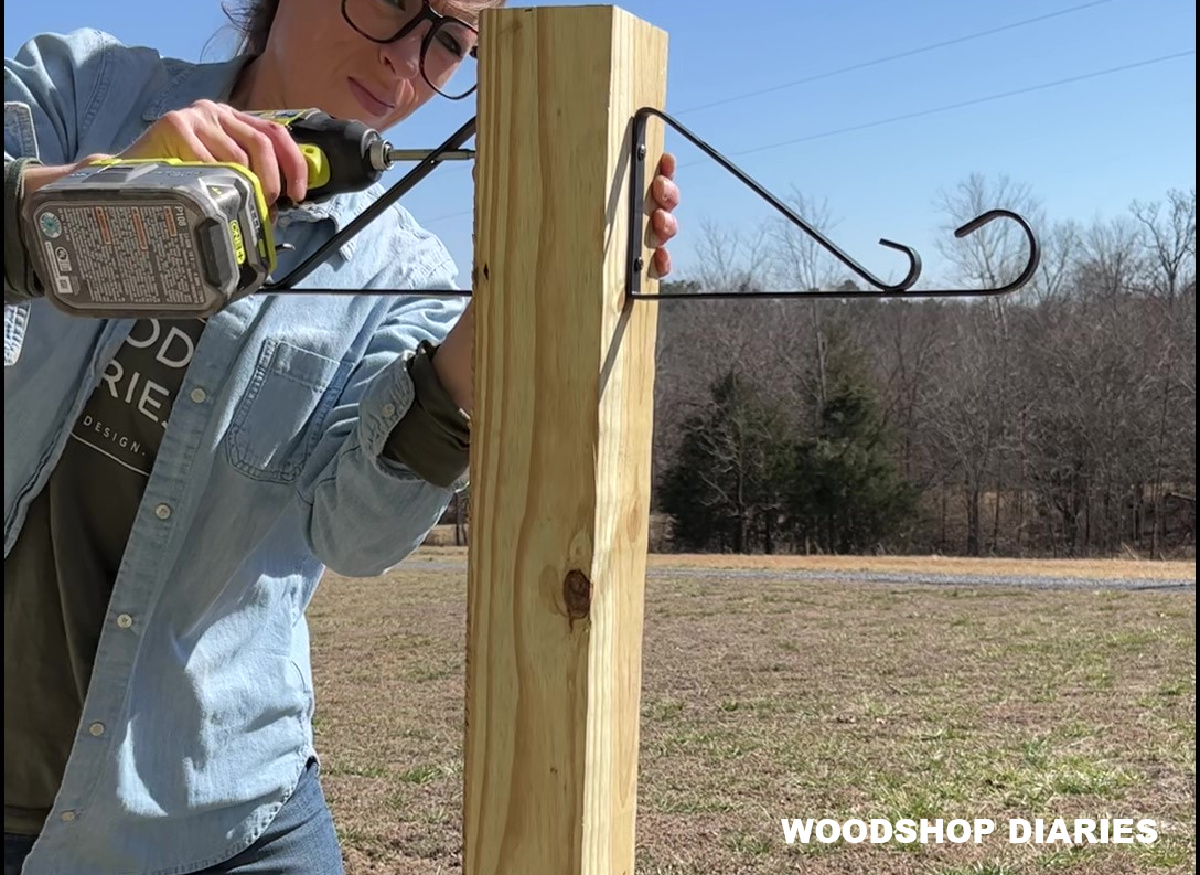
(173, 239)
(342, 156)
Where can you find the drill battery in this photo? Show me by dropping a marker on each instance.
(156, 238)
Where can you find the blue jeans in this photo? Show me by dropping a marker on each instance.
(300, 841)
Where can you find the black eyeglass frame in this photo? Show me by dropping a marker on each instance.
(436, 21)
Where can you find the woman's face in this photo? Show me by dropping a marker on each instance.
(323, 60)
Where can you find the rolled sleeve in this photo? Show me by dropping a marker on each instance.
(20, 280)
(367, 511)
(434, 437)
(386, 402)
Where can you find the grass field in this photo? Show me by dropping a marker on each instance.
(767, 698)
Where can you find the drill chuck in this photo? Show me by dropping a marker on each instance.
(379, 154)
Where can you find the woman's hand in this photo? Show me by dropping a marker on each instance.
(663, 223)
(208, 131)
(453, 360)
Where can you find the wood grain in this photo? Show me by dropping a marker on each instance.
(561, 437)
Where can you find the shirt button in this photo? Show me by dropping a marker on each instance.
(124, 621)
(198, 395)
(67, 816)
(389, 410)
(96, 729)
(163, 511)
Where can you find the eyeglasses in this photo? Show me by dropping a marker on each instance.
(448, 50)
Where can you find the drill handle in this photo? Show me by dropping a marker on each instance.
(338, 152)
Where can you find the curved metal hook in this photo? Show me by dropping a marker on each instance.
(1031, 264)
(880, 289)
(914, 259)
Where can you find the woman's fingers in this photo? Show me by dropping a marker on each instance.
(666, 165)
(665, 192)
(177, 135)
(195, 149)
(213, 132)
(664, 226)
(661, 262)
(259, 152)
(220, 144)
(289, 160)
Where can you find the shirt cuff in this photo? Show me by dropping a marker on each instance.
(19, 277)
(433, 438)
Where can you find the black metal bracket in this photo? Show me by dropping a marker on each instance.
(880, 289)
(637, 230)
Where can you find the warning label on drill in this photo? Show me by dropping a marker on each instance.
(137, 253)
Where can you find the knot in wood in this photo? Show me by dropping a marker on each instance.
(577, 593)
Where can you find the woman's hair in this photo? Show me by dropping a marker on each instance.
(253, 19)
(253, 22)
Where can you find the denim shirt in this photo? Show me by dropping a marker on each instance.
(197, 721)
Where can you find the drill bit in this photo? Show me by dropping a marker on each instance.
(395, 156)
(382, 155)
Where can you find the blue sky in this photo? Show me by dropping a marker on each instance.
(1086, 148)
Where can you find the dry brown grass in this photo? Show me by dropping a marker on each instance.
(767, 699)
(1106, 569)
(1089, 568)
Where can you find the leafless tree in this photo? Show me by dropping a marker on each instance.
(1059, 420)
(1060, 245)
(1169, 237)
(1112, 262)
(730, 259)
(994, 254)
(798, 262)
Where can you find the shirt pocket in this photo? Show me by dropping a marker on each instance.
(279, 420)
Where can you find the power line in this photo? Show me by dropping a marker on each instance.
(446, 217)
(960, 105)
(919, 114)
(895, 57)
(859, 66)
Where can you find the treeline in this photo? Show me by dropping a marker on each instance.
(1057, 421)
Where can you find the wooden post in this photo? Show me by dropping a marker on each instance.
(561, 434)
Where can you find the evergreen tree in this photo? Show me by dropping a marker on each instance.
(845, 494)
(725, 490)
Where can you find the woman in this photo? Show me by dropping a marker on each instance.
(158, 692)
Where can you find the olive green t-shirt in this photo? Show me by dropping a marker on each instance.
(60, 573)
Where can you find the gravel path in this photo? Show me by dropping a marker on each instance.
(903, 578)
(896, 578)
